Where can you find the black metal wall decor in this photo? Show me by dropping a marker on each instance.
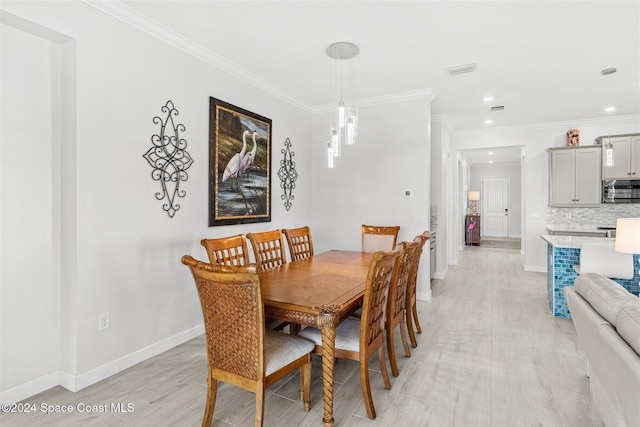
(169, 159)
(287, 174)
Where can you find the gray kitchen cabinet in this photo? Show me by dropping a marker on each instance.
(574, 176)
(620, 157)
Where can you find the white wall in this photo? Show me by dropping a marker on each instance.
(367, 186)
(536, 140)
(441, 190)
(513, 172)
(29, 210)
(121, 251)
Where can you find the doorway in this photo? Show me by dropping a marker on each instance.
(495, 206)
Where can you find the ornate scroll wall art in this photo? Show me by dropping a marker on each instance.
(287, 174)
(169, 159)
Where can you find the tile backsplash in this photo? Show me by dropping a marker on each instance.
(604, 216)
(433, 221)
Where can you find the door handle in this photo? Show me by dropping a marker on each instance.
(506, 212)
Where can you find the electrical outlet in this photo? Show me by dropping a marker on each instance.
(567, 216)
(104, 321)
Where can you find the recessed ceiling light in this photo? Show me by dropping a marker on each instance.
(490, 153)
(488, 122)
(490, 161)
(487, 98)
(610, 109)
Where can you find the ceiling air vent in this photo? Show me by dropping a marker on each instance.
(497, 108)
(461, 69)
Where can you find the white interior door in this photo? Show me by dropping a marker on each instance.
(495, 206)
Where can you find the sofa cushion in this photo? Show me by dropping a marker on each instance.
(605, 296)
(628, 325)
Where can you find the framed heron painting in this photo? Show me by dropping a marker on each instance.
(239, 165)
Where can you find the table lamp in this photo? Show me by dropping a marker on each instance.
(628, 235)
(473, 197)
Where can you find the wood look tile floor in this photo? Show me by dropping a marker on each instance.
(490, 354)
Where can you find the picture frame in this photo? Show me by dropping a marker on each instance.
(239, 165)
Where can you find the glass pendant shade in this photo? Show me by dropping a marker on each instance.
(608, 152)
(354, 118)
(330, 160)
(350, 132)
(335, 142)
(341, 114)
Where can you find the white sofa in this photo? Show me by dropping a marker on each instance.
(607, 321)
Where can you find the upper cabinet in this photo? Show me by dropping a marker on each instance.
(574, 176)
(620, 156)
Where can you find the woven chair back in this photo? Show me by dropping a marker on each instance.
(268, 249)
(381, 271)
(231, 251)
(413, 271)
(398, 290)
(300, 243)
(233, 317)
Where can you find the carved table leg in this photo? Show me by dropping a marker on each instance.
(328, 352)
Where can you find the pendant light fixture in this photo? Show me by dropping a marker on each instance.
(609, 158)
(344, 116)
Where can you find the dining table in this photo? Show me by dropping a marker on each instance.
(319, 291)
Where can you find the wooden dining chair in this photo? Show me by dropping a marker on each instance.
(397, 302)
(269, 252)
(379, 238)
(268, 249)
(359, 339)
(300, 243)
(231, 251)
(411, 312)
(240, 350)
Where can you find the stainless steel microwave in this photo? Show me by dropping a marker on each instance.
(621, 191)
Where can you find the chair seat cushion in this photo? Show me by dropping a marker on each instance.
(347, 335)
(280, 349)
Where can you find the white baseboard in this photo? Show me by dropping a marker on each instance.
(101, 372)
(30, 388)
(77, 383)
(536, 268)
(441, 276)
(424, 296)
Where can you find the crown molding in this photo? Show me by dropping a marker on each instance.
(139, 21)
(424, 94)
(130, 16)
(538, 126)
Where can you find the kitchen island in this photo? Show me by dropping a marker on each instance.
(563, 252)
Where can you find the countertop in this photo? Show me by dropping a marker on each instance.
(580, 228)
(574, 241)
